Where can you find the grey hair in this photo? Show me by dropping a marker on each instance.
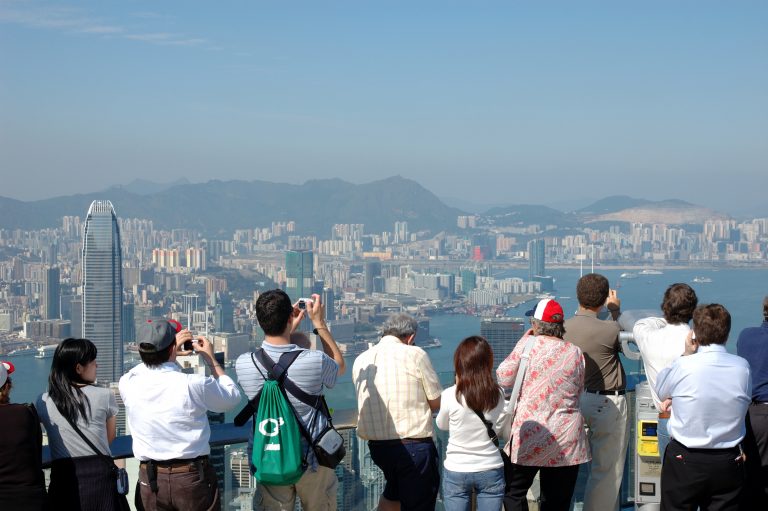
(550, 329)
(401, 325)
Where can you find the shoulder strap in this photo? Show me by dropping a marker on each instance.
(275, 371)
(491, 433)
(512, 405)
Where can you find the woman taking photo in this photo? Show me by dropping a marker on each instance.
(472, 462)
(548, 429)
(81, 479)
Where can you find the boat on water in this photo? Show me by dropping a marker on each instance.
(651, 272)
(22, 351)
(702, 280)
(628, 275)
(46, 351)
(431, 344)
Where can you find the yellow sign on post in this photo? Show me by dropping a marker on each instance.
(648, 438)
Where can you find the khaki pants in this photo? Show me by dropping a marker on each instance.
(607, 429)
(316, 490)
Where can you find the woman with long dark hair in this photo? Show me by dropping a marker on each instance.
(472, 462)
(73, 408)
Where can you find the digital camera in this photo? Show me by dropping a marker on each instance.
(303, 303)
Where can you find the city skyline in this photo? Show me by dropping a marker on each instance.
(484, 103)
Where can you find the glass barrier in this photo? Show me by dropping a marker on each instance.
(360, 481)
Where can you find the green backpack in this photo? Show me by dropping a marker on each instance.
(276, 441)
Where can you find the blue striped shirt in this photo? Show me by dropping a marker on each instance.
(310, 372)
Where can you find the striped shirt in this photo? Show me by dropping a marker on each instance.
(310, 372)
(394, 382)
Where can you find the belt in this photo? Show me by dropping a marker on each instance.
(402, 441)
(178, 465)
(607, 392)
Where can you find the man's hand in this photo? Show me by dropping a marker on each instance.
(691, 346)
(666, 405)
(613, 303)
(316, 311)
(205, 348)
(296, 317)
(182, 337)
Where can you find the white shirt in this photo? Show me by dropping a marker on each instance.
(166, 410)
(470, 449)
(711, 391)
(660, 344)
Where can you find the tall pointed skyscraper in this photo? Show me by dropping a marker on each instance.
(103, 290)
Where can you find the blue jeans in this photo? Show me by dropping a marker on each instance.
(487, 485)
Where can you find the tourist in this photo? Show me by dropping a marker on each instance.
(710, 391)
(548, 434)
(661, 340)
(167, 411)
(753, 347)
(397, 391)
(310, 371)
(22, 485)
(603, 403)
(82, 475)
(473, 464)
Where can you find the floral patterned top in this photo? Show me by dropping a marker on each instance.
(548, 430)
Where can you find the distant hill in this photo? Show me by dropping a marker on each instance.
(526, 214)
(674, 212)
(222, 206)
(145, 187)
(612, 204)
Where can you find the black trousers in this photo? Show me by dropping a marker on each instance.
(705, 479)
(755, 494)
(557, 485)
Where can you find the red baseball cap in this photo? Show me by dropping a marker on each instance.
(549, 311)
(6, 368)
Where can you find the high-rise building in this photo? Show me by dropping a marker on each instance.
(329, 300)
(299, 273)
(51, 294)
(103, 290)
(76, 307)
(536, 253)
(372, 270)
(468, 281)
(502, 334)
(224, 314)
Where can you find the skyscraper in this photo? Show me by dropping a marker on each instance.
(535, 258)
(372, 270)
(52, 294)
(299, 274)
(502, 334)
(103, 289)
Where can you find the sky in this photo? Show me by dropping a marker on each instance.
(489, 102)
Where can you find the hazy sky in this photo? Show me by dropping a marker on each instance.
(516, 102)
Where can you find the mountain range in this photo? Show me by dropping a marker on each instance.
(219, 207)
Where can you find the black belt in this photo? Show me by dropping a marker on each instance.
(401, 441)
(607, 392)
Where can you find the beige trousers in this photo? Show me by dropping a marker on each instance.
(607, 429)
(316, 491)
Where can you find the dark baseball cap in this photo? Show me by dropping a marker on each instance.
(157, 334)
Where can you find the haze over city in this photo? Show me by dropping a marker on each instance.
(491, 103)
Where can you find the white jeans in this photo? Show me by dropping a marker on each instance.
(607, 429)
